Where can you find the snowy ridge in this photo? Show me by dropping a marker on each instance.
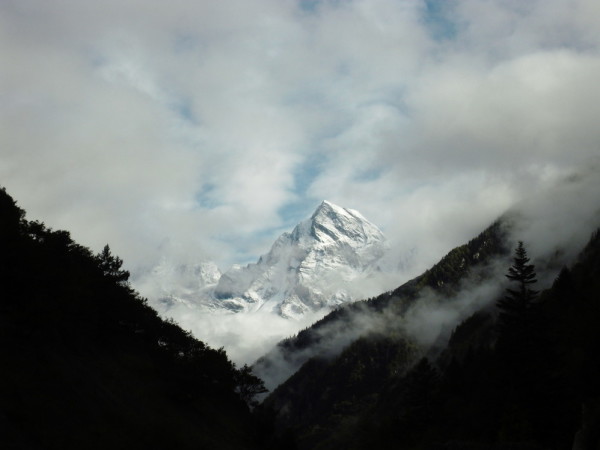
(182, 283)
(331, 258)
(310, 268)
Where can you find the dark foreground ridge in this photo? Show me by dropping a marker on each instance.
(521, 373)
(86, 364)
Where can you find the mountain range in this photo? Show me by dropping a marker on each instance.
(441, 363)
(495, 347)
(334, 257)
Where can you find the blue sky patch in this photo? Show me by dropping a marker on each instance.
(206, 198)
(304, 176)
(437, 15)
(309, 5)
(183, 108)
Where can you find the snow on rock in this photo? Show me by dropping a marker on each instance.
(183, 284)
(331, 258)
(319, 264)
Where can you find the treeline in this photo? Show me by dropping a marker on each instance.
(530, 379)
(86, 363)
(523, 374)
(444, 279)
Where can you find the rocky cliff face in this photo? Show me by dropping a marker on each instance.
(335, 256)
(321, 263)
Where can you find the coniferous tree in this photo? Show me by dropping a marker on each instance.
(523, 273)
(519, 348)
(248, 385)
(86, 363)
(516, 306)
(111, 266)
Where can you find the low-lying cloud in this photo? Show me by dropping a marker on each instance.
(245, 336)
(201, 131)
(555, 225)
(205, 130)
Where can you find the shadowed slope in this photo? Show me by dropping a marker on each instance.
(87, 364)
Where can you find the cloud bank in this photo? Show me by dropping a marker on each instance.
(555, 225)
(201, 131)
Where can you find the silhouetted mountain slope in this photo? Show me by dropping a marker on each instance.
(87, 364)
(342, 326)
(530, 393)
(329, 394)
(446, 275)
(343, 360)
(535, 386)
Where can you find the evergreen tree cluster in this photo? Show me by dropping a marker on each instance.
(86, 363)
(444, 279)
(526, 376)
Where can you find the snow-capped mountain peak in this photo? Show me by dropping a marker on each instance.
(312, 267)
(331, 258)
(332, 222)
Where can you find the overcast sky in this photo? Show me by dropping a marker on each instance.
(201, 130)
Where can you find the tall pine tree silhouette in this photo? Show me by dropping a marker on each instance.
(518, 339)
(111, 266)
(520, 327)
(524, 274)
(516, 306)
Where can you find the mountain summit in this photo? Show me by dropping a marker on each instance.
(326, 260)
(321, 263)
(333, 257)
(331, 223)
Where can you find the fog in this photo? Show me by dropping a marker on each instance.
(554, 225)
(201, 130)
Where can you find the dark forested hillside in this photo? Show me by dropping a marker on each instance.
(343, 360)
(87, 364)
(328, 395)
(344, 325)
(522, 375)
(535, 386)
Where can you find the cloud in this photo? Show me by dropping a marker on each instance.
(202, 131)
(555, 224)
(246, 337)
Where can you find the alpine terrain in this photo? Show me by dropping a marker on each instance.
(495, 347)
(332, 258)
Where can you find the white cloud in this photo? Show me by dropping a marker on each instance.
(185, 129)
(245, 337)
